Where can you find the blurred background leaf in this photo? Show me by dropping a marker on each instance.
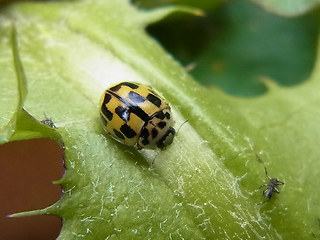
(237, 45)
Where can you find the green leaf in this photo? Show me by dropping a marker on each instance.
(240, 45)
(17, 124)
(204, 186)
(252, 44)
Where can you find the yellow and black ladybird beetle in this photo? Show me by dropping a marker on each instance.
(136, 115)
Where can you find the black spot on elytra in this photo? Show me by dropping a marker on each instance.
(132, 106)
(107, 98)
(162, 124)
(135, 97)
(160, 115)
(154, 133)
(129, 84)
(127, 131)
(123, 113)
(154, 99)
(118, 134)
(106, 112)
(167, 115)
(144, 133)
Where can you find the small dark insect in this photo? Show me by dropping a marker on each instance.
(49, 122)
(271, 187)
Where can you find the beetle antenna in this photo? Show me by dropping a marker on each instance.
(265, 169)
(182, 125)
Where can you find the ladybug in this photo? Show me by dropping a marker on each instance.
(136, 115)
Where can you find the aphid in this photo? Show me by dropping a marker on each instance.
(49, 122)
(271, 187)
(136, 115)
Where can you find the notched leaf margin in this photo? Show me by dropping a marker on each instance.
(155, 15)
(22, 125)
